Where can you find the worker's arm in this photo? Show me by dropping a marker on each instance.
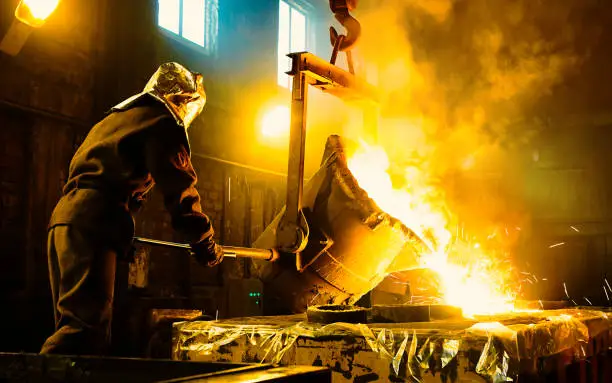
(170, 165)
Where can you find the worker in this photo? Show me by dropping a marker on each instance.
(141, 142)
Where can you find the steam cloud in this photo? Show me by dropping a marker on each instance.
(462, 79)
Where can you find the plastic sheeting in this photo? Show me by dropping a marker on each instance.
(410, 349)
(549, 333)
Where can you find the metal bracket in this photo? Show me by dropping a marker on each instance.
(318, 240)
(308, 69)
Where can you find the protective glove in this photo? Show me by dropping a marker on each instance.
(207, 252)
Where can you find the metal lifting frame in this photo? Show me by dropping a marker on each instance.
(308, 69)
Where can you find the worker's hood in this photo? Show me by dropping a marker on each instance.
(179, 89)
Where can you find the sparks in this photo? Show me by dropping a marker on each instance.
(607, 284)
(565, 288)
(606, 291)
(574, 228)
(556, 245)
(315, 297)
(470, 278)
(588, 301)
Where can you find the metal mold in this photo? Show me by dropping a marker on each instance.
(336, 313)
(413, 313)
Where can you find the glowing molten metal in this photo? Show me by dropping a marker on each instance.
(469, 277)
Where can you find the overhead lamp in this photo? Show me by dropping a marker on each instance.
(275, 123)
(29, 15)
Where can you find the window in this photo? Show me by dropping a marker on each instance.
(291, 38)
(193, 20)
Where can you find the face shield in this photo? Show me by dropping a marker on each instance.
(180, 90)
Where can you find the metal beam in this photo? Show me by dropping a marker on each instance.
(332, 79)
(308, 69)
(291, 236)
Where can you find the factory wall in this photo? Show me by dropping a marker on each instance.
(554, 183)
(46, 104)
(551, 205)
(568, 193)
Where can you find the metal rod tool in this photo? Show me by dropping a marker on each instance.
(228, 251)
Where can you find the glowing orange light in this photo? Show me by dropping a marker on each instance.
(35, 12)
(477, 283)
(275, 123)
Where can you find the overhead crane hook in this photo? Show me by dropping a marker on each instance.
(344, 42)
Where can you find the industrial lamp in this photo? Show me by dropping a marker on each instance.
(30, 14)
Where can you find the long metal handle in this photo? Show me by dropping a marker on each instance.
(247, 252)
(156, 242)
(228, 251)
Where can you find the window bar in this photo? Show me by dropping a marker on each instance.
(180, 18)
(206, 26)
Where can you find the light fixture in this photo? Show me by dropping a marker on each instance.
(30, 14)
(275, 123)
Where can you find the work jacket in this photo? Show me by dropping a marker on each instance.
(121, 159)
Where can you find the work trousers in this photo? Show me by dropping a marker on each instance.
(82, 274)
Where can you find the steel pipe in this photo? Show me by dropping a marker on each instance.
(270, 255)
(332, 79)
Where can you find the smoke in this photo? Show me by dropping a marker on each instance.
(460, 81)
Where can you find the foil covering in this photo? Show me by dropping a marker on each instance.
(491, 349)
(179, 89)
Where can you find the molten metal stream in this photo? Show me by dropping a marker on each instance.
(476, 282)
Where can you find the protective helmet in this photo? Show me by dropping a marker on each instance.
(179, 89)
